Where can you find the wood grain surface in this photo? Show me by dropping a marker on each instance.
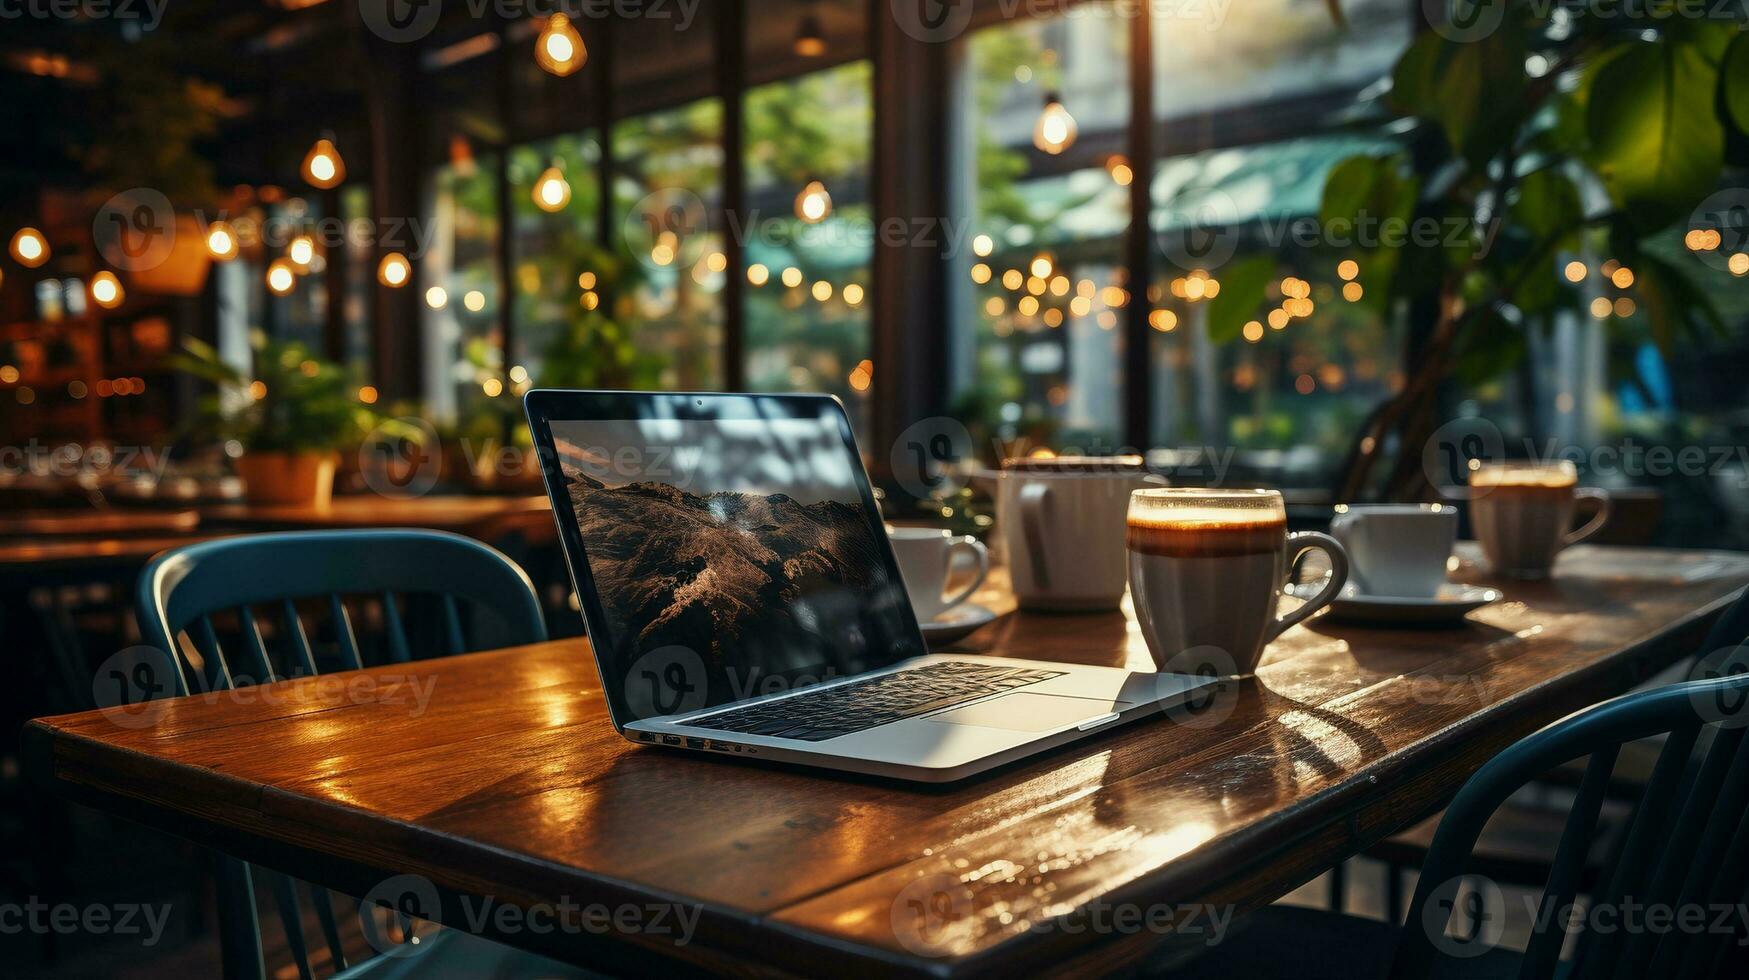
(445, 513)
(510, 782)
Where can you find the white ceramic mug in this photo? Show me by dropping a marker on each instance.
(1397, 549)
(1207, 569)
(926, 560)
(1062, 527)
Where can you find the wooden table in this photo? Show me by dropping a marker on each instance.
(96, 523)
(464, 515)
(511, 784)
(29, 559)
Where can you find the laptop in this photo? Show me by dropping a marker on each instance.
(742, 598)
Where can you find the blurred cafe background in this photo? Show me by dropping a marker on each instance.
(292, 263)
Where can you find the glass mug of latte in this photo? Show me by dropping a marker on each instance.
(1207, 569)
(1523, 514)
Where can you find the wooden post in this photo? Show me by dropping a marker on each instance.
(731, 88)
(910, 318)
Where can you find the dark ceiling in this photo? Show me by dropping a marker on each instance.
(91, 103)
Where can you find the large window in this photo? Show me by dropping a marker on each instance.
(811, 240)
(464, 333)
(558, 270)
(1290, 386)
(667, 293)
(1040, 350)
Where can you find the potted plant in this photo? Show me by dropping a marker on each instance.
(286, 423)
(1613, 147)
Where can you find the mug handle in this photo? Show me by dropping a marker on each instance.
(1032, 526)
(1298, 544)
(980, 553)
(1604, 507)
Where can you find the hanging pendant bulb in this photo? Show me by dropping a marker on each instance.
(281, 277)
(106, 290)
(814, 203)
(323, 167)
(29, 248)
(1056, 129)
(301, 251)
(394, 270)
(810, 37)
(559, 49)
(221, 241)
(551, 191)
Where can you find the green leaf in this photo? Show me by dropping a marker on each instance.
(1546, 203)
(1242, 292)
(1734, 82)
(1474, 90)
(1487, 348)
(1364, 198)
(1673, 302)
(1656, 140)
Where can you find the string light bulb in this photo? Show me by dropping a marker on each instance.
(814, 203)
(106, 290)
(394, 270)
(221, 241)
(29, 248)
(810, 37)
(559, 49)
(552, 192)
(1056, 129)
(281, 277)
(323, 168)
(301, 251)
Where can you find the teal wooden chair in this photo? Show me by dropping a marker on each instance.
(1686, 845)
(190, 597)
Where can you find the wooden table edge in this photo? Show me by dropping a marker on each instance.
(268, 845)
(1273, 836)
(1279, 833)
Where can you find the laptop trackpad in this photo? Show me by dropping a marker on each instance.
(1022, 712)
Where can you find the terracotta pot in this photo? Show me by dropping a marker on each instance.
(302, 479)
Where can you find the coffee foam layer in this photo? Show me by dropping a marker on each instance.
(1206, 532)
(1524, 479)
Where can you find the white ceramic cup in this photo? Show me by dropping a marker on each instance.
(1062, 529)
(1397, 550)
(1206, 571)
(927, 557)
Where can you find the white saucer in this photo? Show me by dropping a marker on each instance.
(1448, 607)
(957, 623)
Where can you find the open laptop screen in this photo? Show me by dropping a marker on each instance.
(729, 547)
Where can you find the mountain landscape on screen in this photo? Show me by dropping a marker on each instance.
(709, 572)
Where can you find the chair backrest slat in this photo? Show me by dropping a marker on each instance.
(1549, 932)
(1669, 831)
(302, 656)
(206, 640)
(1696, 808)
(182, 590)
(343, 634)
(1646, 830)
(452, 626)
(1724, 823)
(394, 631)
(260, 666)
(1730, 889)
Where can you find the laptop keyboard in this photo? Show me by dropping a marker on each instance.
(860, 705)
